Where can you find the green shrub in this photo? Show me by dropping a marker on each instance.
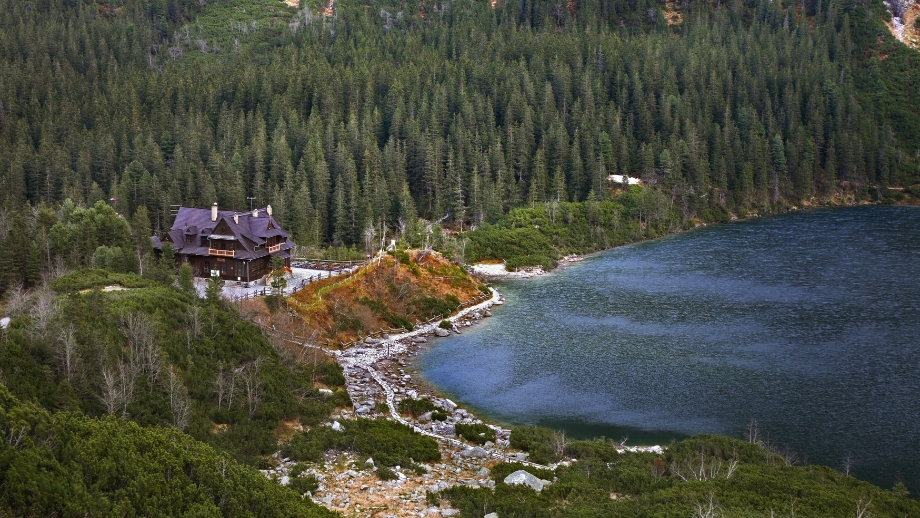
(274, 303)
(429, 307)
(439, 415)
(385, 473)
(303, 485)
(313, 412)
(97, 278)
(415, 407)
(398, 321)
(536, 441)
(445, 324)
(389, 443)
(400, 256)
(380, 309)
(475, 433)
(524, 261)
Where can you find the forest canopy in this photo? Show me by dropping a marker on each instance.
(370, 117)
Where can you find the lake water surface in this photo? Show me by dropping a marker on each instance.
(807, 322)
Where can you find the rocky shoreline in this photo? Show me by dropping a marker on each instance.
(377, 379)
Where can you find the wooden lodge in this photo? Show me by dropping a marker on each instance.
(236, 246)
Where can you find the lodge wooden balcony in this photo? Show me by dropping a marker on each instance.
(275, 248)
(221, 253)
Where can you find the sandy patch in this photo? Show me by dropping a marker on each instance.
(113, 287)
(498, 271)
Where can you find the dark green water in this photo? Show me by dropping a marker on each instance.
(808, 323)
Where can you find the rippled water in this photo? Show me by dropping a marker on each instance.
(808, 323)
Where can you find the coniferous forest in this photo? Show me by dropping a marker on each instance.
(369, 115)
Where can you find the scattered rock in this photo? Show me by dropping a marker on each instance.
(491, 515)
(484, 472)
(325, 392)
(521, 477)
(449, 512)
(337, 426)
(476, 452)
(441, 332)
(285, 480)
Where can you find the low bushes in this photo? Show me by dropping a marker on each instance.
(736, 479)
(389, 443)
(415, 407)
(475, 433)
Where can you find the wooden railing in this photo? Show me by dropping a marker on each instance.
(324, 264)
(221, 253)
(293, 287)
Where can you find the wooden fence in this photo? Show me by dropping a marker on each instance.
(301, 284)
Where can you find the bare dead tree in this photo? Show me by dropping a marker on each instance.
(862, 507)
(16, 434)
(67, 354)
(44, 313)
(708, 508)
(559, 443)
(126, 378)
(109, 396)
(222, 384)
(143, 351)
(225, 384)
(179, 402)
(193, 324)
(847, 463)
(704, 467)
(17, 300)
(252, 385)
(118, 387)
(753, 435)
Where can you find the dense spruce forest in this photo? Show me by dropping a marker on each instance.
(370, 115)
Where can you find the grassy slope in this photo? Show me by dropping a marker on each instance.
(403, 289)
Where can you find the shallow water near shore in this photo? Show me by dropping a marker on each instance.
(807, 322)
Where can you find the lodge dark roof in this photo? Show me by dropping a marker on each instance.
(250, 229)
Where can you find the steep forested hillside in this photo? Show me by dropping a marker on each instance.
(160, 356)
(383, 111)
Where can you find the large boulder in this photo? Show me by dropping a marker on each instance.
(521, 477)
(441, 332)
